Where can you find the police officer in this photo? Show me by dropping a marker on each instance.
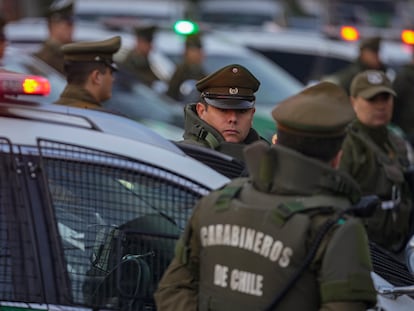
(378, 159)
(137, 62)
(89, 72)
(368, 58)
(244, 242)
(222, 119)
(60, 17)
(191, 69)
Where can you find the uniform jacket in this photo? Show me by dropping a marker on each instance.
(184, 72)
(139, 66)
(76, 96)
(51, 54)
(344, 77)
(240, 248)
(377, 160)
(198, 132)
(403, 114)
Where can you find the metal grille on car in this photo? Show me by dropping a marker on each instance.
(118, 221)
(390, 268)
(19, 267)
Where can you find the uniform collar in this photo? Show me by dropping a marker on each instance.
(281, 170)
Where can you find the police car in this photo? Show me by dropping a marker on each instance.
(91, 203)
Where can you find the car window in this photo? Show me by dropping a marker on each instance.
(306, 67)
(116, 222)
(115, 218)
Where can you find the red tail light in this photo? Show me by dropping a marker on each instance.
(349, 33)
(407, 36)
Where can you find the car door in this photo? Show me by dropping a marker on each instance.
(85, 227)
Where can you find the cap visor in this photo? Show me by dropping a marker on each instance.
(371, 92)
(229, 103)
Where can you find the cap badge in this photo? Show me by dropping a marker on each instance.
(374, 78)
(233, 90)
(235, 70)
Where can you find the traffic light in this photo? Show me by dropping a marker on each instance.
(185, 27)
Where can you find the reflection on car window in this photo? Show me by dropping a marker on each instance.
(118, 221)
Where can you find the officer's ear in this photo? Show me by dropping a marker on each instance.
(96, 76)
(201, 108)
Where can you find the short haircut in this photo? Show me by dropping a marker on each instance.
(321, 148)
(77, 72)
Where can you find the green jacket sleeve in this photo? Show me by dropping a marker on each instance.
(178, 288)
(345, 274)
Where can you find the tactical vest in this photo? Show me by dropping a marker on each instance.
(390, 226)
(261, 240)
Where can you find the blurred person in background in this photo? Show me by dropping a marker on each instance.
(222, 118)
(3, 39)
(378, 160)
(190, 70)
(403, 114)
(60, 23)
(89, 71)
(368, 58)
(137, 64)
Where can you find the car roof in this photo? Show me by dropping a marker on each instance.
(25, 122)
(156, 10)
(300, 41)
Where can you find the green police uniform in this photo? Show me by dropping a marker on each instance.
(345, 75)
(138, 65)
(244, 242)
(50, 52)
(78, 53)
(403, 114)
(377, 159)
(231, 87)
(186, 70)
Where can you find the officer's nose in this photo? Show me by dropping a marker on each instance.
(231, 115)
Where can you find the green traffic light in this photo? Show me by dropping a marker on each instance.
(185, 27)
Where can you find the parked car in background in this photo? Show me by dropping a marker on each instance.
(157, 11)
(310, 56)
(160, 113)
(240, 13)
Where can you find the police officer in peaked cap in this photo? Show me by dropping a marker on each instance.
(89, 68)
(136, 65)
(190, 69)
(245, 243)
(222, 118)
(60, 22)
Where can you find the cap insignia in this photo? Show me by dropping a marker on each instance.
(374, 78)
(235, 70)
(233, 90)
